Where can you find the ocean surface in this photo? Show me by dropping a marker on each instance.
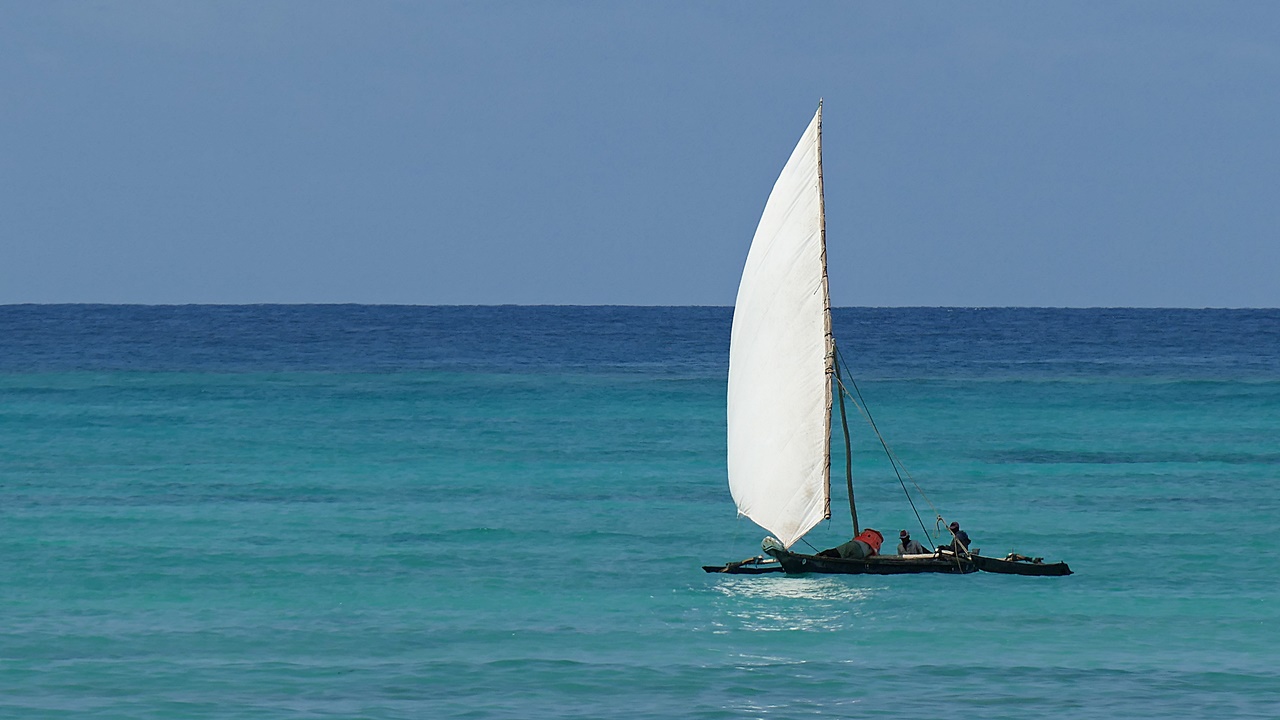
(502, 512)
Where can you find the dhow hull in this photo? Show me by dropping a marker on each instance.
(796, 564)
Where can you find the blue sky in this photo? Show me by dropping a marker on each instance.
(995, 153)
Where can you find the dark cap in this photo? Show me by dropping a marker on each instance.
(904, 534)
(954, 526)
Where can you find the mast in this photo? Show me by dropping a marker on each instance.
(826, 323)
(831, 368)
(848, 456)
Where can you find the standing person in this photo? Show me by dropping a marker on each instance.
(961, 542)
(907, 546)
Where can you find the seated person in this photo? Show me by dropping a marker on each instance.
(907, 546)
(961, 542)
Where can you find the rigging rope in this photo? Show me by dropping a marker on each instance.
(893, 458)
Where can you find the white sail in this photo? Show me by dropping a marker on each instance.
(779, 403)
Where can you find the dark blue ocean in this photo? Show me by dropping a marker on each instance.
(501, 512)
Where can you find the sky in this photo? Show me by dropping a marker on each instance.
(1077, 154)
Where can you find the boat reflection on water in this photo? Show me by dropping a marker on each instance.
(768, 604)
(796, 588)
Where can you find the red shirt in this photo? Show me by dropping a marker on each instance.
(872, 538)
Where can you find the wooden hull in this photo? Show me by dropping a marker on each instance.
(1013, 567)
(945, 563)
(795, 564)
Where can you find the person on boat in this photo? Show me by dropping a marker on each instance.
(961, 542)
(866, 544)
(907, 546)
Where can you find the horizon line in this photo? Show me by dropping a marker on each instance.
(621, 305)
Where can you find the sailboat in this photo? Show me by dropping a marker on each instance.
(783, 374)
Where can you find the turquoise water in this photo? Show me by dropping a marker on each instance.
(353, 512)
